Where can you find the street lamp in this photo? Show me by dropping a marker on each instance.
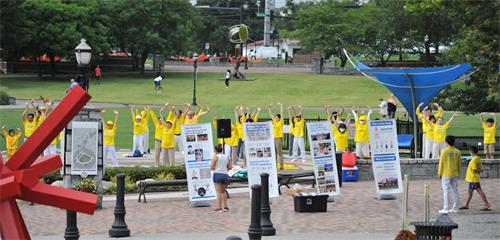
(195, 65)
(83, 53)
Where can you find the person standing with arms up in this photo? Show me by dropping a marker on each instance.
(362, 137)
(11, 140)
(490, 128)
(427, 129)
(138, 132)
(109, 139)
(194, 117)
(176, 115)
(145, 125)
(439, 131)
(29, 122)
(298, 139)
(159, 125)
(278, 134)
(450, 163)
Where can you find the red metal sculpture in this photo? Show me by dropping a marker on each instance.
(19, 177)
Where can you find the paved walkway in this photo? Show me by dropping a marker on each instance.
(354, 215)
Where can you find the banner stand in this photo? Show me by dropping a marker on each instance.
(386, 197)
(200, 204)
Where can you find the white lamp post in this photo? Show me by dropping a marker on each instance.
(83, 54)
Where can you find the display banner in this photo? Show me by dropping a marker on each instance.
(260, 154)
(198, 152)
(323, 155)
(84, 148)
(385, 156)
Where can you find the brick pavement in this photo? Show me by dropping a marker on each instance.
(356, 211)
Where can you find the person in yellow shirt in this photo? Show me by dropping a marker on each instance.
(427, 135)
(179, 116)
(29, 122)
(472, 177)
(255, 114)
(449, 167)
(439, 132)
(490, 129)
(341, 133)
(109, 133)
(291, 132)
(159, 126)
(11, 140)
(233, 142)
(193, 117)
(168, 143)
(138, 132)
(241, 119)
(44, 113)
(298, 138)
(362, 137)
(145, 125)
(278, 134)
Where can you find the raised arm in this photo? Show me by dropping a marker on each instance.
(354, 110)
(341, 112)
(132, 114)
(154, 118)
(201, 112)
(451, 119)
(23, 115)
(186, 108)
(439, 112)
(301, 110)
(327, 111)
(271, 115)
(348, 120)
(417, 111)
(255, 117)
(116, 119)
(4, 131)
(281, 110)
(369, 113)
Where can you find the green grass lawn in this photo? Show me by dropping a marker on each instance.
(312, 91)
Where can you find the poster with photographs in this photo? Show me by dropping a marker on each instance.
(260, 154)
(84, 148)
(385, 156)
(323, 155)
(198, 152)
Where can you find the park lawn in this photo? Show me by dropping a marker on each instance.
(312, 91)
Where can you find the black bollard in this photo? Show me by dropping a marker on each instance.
(255, 231)
(120, 228)
(265, 208)
(71, 232)
(233, 238)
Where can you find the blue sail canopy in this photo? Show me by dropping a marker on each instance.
(427, 82)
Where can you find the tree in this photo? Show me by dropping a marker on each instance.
(153, 26)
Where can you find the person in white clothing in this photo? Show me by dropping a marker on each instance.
(157, 82)
(383, 108)
(228, 77)
(220, 166)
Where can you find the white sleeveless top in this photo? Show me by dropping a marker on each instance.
(221, 165)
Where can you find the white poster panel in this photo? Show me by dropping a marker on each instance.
(260, 154)
(385, 156)
(198, 152)
(84, 151)
(323, 154)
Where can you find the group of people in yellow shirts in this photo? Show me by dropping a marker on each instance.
(31, 121)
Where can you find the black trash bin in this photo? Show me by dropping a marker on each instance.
(439, 229)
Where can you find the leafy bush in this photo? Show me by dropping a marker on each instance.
(4, 97)
(86, 185)
(129, 185)
(55, 176)
(138, 173)
(164, 176)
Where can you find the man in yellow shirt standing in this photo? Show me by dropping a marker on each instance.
(11, 140)
(449, 167)
(490, 129)
(145, 125)
(29, 122)
(472, 177)
(241, 118)
(138, 132)
(109, 140)
(278, 133)
(362, 137)
(298, 138)
(168, 143)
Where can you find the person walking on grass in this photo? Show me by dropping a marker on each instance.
(490, 128)
(109, 139)
(362, 137)
(278, 134)
(220, 165)
(449, 166)
(11, 140)
(159, 124)
(228, 77)
(157, 81)
(472, 177)
(97, 72)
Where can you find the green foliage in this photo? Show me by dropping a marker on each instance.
(140, 173)
(130, 185)
(164, 176)
(4, 96)
(49, 179)
(86, 185)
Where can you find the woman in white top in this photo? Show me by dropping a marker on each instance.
(228, 77)
(220, 165)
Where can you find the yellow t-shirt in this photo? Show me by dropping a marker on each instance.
(180, 121)
(109, 136)
(430, 132)
(299, 127)
(239, 126)
(278, 127)
(168, 140)
(421, 118)
(138, 127)
(233, 141)
(474, 164)
(39, 123)
(489, 134)
(361, 135)
(12, 142)
(440, 132)
(340, 138)
(158, 127)
(190, 121)
(450, 163)
(145, 121)
(29, 127)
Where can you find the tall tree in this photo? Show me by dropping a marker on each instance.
(153, 26)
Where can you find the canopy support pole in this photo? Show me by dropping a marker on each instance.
(414, 117)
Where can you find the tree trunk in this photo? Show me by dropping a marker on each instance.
(39, 65)
(343, 60)
(136, 62)
(144, 56)
(52, 65)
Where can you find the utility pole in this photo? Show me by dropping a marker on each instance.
(269, 5)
